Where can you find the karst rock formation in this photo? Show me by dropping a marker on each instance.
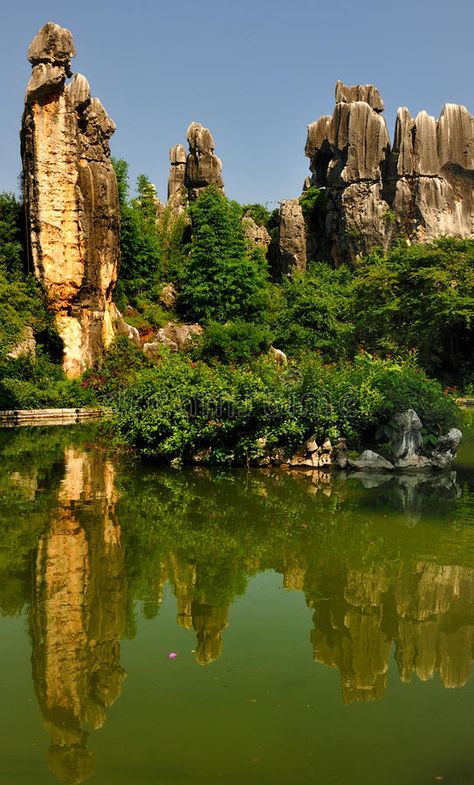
(71, 198)
(192, 172)
(420, 187)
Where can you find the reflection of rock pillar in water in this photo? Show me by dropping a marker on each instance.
(427, 612)
(209, 622)
(197, 611)
(349, 635)
(436, 627)
(78, 615)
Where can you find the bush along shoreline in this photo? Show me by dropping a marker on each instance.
(306, 415)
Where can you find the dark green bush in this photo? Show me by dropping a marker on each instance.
(235, 342)
(312, 199)
(258, 213)
(22, 304)
(117, 370)
(183, 407)
(140, 246)
(314, 311)
(12, 240)
(420, 297)
(27, 383)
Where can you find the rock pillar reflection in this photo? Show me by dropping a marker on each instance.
(426, 611)
(78, 614)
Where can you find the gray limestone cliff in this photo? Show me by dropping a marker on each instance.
(71, 196)
(420, 188)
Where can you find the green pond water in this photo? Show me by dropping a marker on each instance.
(202, 627)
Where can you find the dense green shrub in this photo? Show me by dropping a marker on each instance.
(314, 311)
(140, 246)
(174, 235)
(117, 370)
(221, 280)
(183, 407)
(21, 305)
(27, 383)
(12, 253)
(420, 297)
(236, 341)
(258, 213)
(312, 199)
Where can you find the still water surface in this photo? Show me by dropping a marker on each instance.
(199, 628)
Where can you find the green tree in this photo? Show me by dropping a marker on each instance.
(221, 280)
(258, 213)
(314, 311)
(139, 241)
(420, 297)
(12, 255)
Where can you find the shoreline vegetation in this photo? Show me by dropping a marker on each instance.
(362, 343)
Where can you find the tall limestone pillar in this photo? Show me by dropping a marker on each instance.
(71, 198)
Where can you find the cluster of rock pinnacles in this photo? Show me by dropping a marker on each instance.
(420, 187)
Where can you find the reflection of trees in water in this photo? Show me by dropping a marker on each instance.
(373, 579)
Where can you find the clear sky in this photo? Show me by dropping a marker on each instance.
(255, 72)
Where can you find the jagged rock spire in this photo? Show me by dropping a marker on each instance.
(420, 189)
(191, 173)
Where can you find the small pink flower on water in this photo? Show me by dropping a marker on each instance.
(172, 655)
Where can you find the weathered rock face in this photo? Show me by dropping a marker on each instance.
(256, 236)
(191, 173)
(71, 196)
(203, 167)
(359, 92)
(26, 347)
(407, 447)
(174, 337)
(420, 189)
(292, 237)
(431, 178)
(176, 181)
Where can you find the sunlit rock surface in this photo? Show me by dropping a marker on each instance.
(420, 187)
(71, 197)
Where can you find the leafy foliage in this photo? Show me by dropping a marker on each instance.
(221, 280)
(314, 311)
(140, 245)
(235, 342)
(180, 408)
(117, 370)
(312, 199)
(258, 213)
(12, 256)
(27, 383)
(420, 297)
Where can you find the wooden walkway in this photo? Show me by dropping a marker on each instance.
(19, 417)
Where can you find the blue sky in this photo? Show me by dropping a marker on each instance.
(255, 72)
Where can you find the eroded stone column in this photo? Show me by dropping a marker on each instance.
(71, 198)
